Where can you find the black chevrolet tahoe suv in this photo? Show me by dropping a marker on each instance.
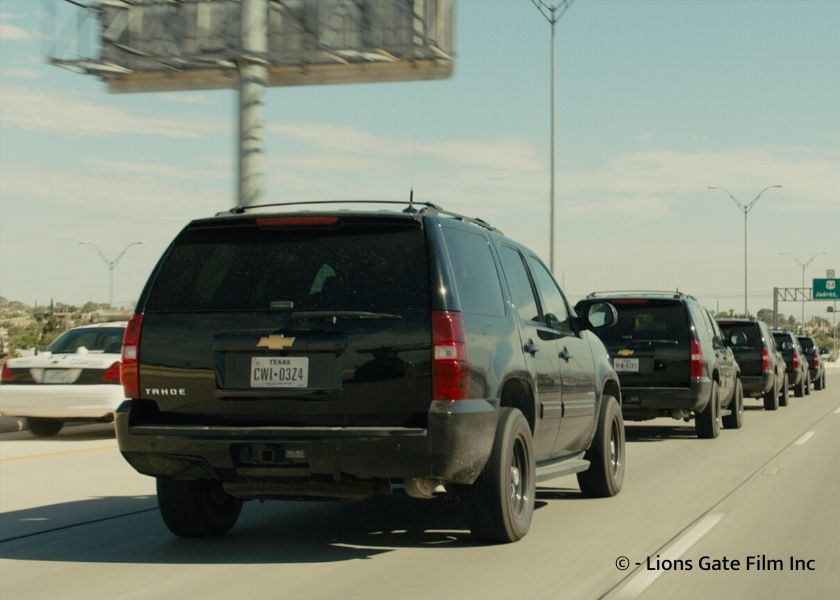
(338, 354)
(799, 377)
(816, 368)
(762, 365)
(672, 360)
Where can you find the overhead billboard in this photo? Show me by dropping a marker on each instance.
(161, 45)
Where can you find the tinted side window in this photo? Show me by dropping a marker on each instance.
(701, 322)
(520, 285)
(555, 310)
(475, 272)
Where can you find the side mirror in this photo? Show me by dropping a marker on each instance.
(601, 314)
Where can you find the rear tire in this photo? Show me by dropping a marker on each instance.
(799, 391)
(707, 421)
(772, 396)
(45, 427)
(500, 504)
(605, 474)
(199, 508)
(785, 393)
(808, 385)
(820, 382)
(735, 419)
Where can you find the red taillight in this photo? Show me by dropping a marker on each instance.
(296, 221)
(696, 359)
(816, 360)
(765, 360)
(795, 360)
(7, 374)
(450, 365)
(112, 373)
(130, 375)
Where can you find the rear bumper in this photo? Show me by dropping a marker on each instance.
(642, 403)
(756, 386)
(286, 460)
(60, 401)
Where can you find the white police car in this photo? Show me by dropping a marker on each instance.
(76, 378)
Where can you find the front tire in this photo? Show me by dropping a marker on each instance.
(785, 393)
(500, 504)
(199, 508)
(735, 419)
(605, 474)
(707, 421)
(45, 427)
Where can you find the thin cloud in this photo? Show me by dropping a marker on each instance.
(29, 109)
(13, 33)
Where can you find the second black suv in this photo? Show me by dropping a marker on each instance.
(340, 354)
(672, 360)
(797, 368)
(762, 365)
(815, 364)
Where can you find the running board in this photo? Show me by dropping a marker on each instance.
(560, 467)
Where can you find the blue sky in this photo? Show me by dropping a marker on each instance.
(656, 101)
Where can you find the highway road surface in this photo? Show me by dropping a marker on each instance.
(753, 514)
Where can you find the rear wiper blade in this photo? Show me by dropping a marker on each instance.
(334, 315)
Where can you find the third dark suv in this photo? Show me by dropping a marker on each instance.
(672, 360)
(339, 354)
(762, 365)
(797, 368)
(816, 367)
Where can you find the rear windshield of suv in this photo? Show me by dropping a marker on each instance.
(750, 331)
(807, 344)
(647, 320)
(360, 266)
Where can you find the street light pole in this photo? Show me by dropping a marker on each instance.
(110, 264)
(804, 266)
(552, 14)
(745, 208)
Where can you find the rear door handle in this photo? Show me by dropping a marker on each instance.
(565, 354)
(531, 348)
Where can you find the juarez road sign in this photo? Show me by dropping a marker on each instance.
(826, 289)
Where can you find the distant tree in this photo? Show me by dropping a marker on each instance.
(766, 315)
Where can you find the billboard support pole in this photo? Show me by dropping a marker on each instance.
(253, 73)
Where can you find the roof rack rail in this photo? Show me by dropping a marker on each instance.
(426, 208)
(238, 210)
(672, 293)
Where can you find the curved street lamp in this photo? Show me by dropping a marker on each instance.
(804, 266)
(745, 208)
(552, 13)
(110, 264)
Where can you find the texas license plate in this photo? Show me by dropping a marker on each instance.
(279, 372)
(626, 365)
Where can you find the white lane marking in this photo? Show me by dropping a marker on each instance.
(804, 438)
(639, 582)
(837, 412)
(770, 471)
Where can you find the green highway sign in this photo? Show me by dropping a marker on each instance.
(826, 289)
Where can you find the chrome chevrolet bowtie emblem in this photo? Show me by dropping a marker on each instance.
(625, 352)
(275, 342)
